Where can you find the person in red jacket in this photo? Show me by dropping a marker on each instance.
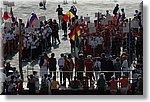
(89, 68)
(67, 68)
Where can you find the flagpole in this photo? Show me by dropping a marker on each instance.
(75, 51)
(20, 49)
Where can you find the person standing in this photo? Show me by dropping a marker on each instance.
(117, 67)
(113, 86)
(116, 9)
(81, 68)
(125, 66)
(44, 3)
(61, 62)
(71, 65)
(44, 62)
(97, 67)
(52, 64)
(55, 32)
(89, 65)
(64, 27)
(101, 84)
(60, 13)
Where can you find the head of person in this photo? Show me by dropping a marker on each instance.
(98, 59)
(80, 55)
(117, 59)
(114, 56)
(102, 76)
(58, 6)
(117, 5)
(45, 75)
(8, 64)
(103, 55)
(54, 78)
(62, 55)
(69, 56)
(112, 77)
(12, 77)
(122, 9)
(107, 11)
(31, 76)
(52, 55)
(89, 57)
(34, 72)
(124, 57)
(54, 21)
(136, 11)
(123, 76)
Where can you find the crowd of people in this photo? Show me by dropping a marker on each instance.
(105, 57)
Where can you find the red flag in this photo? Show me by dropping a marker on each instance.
(5, 16)
(65, 17)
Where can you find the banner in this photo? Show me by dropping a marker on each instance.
(42, 18)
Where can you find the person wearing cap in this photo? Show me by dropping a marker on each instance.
(124, 84)
(89, 65)
(113, 85)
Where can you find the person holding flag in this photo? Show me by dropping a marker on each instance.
(33, 18)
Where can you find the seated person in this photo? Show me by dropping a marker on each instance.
(75, 83)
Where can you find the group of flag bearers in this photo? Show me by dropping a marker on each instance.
(83, 42)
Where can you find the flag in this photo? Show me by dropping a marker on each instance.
(12, 15)
(5, 16)
(27, 24)
(76, 30)
(77, 50)
(71, 14)
(33, 18)
(65, 18)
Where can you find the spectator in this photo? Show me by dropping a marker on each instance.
(113, 86)
(61, 62)
(44, 62)
(52, 64)
(124, 85)
(101, 84)
(54, 85)
(97, 68)
(117, 67)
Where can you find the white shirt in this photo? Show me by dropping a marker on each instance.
(98, 64)
(125, 65)
(100, 40)
(61, 61)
